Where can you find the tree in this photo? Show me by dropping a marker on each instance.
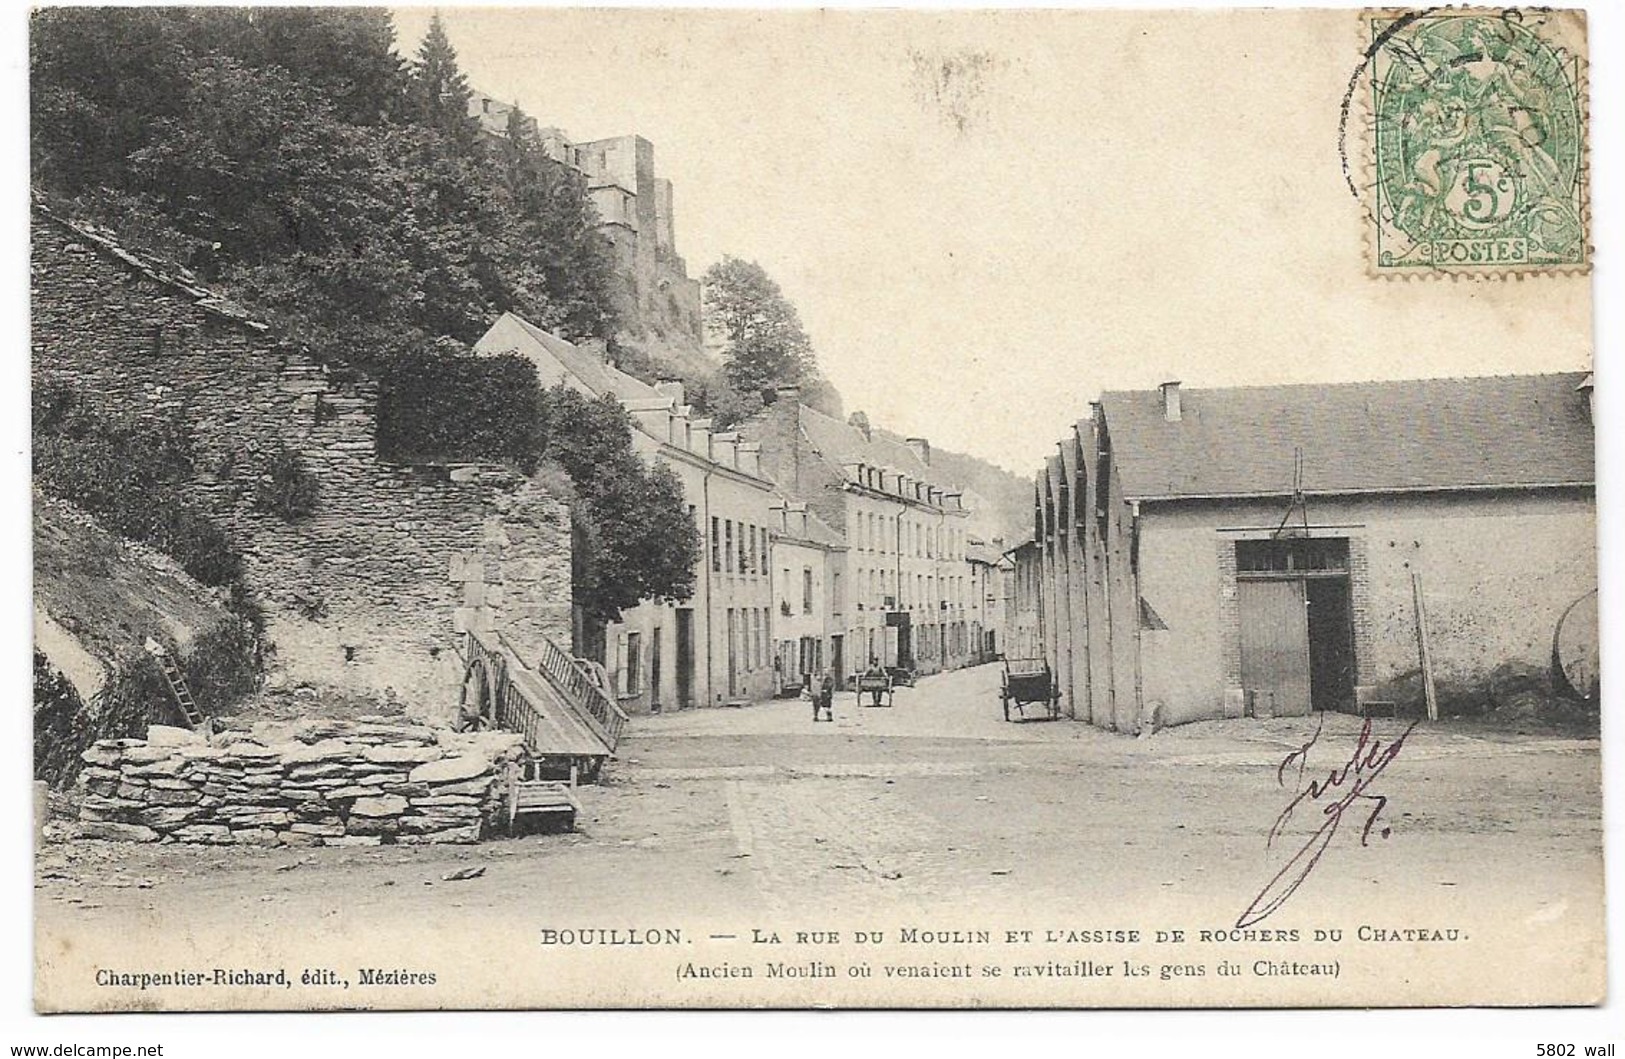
(441, 91)
(634, 536)
(763, 343)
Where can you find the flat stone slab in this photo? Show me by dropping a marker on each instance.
(146, 755)
(116, 832)
(357, 791)
(383, 805)
(212, 834)
(248, 752)
(416, 754)
(451, 769)
(170, 735)
(309, 753)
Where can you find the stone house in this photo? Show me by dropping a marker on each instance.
(985, 598)
(1281, 549)
(715, 646)
(1023, 631)
(370, 591)
(809, 590)
(903, 526)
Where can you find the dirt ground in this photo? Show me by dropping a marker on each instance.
(921, 812)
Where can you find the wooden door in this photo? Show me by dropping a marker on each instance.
(656, 679)
(685, 658)
(1275, 644)
(733, 653)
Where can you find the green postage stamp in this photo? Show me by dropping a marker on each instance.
(1477, 141)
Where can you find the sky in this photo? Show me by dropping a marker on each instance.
(987, 218)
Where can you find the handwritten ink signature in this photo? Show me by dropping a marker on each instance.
(1349, 782)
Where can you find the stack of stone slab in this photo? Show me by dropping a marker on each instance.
(335, 783)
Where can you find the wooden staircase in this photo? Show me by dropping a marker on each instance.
(177, 683)
(569, 726)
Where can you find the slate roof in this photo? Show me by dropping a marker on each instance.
(1427, 434)
(177, 279)
(555, 359)
(818, 533)
(841, 443)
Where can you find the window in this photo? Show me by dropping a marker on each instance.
(632, 679)
(806, 590)
(716, 551)
(741, 560)
(750, 555)
(1292, 555)
(728, 545)
(835, 593)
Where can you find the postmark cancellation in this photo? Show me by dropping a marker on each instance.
(1476, 142)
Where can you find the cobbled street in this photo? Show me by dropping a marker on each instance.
(917, 813)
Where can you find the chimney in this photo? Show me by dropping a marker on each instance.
(922, 449)
(861, 421)
(672, 388)
(750, 458)
(701, 433)
(1170, 401)
(725, 448)
(788, 394)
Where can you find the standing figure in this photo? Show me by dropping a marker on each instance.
(824, 696)
(875, 680)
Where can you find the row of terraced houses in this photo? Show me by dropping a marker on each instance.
(824, 546)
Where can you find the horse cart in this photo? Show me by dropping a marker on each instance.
(1029, 682)
(878, 686)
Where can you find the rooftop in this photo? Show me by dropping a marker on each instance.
(1428, 434)
(551, 354)
(845, 445)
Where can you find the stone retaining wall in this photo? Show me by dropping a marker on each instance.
(366, 594)
(333, 783)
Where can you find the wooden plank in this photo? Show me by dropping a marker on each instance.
(1424, 646)
(1275, 644)
(561, 730)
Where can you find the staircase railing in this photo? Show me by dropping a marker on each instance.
(514, 711)
(572, 681)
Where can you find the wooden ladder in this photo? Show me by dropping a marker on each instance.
(177, 684)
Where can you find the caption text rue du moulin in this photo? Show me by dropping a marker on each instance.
(615, 937)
